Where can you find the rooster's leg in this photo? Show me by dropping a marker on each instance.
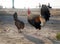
(20, 31)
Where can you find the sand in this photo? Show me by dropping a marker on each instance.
(9, 33)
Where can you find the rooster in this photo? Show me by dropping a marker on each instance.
(19, 24)
(39, 20)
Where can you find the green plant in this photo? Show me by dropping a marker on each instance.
(58, 36)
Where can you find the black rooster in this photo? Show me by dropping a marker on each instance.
(19, 24)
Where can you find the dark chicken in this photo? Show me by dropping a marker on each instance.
(19, 24)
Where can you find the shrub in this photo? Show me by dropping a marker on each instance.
(58, 36)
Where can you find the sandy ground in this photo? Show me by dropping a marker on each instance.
(9, 33)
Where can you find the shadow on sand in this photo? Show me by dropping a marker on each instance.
(33, 39)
